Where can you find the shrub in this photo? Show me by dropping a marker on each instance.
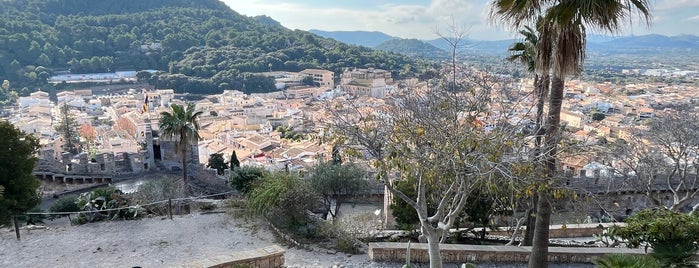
(243, 178)
(105, 198)
(674, 236)
(32, 219)
(626, 261)
(284, 196)
(345, 240)
(67, 203)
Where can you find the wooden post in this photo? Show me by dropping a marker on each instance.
(169, 207)
(14, 220)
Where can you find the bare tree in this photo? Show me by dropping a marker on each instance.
(661, 159)
(452, 139)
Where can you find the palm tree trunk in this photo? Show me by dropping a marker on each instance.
(540, 245)
(542, 86)
(539, 254)
(185, 178)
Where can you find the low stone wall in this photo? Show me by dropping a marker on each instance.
(566, 231)
(451, 253)
(268, 257)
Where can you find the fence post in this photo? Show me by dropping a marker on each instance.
(169, 207)
(14, 220)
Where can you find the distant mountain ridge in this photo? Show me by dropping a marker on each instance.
(361, 38)
(595, 43)
(413, 48)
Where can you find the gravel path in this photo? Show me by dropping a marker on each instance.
(159, 242)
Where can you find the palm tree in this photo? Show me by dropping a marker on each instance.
(181, 124)
(525, 52)
(566, 23)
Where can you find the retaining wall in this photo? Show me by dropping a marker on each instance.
(268, 257)
(452, 253)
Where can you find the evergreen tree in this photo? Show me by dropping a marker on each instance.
(235, 163)
(216, 162)
(68, 128)
(17, 160)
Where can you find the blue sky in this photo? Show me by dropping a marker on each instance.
(423, 18)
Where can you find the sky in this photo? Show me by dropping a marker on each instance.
(423, 19)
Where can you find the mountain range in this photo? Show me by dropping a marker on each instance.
(437, 48)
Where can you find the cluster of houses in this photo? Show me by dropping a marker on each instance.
(128, 136)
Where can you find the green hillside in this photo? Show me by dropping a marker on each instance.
(413, 48)
(201, 46)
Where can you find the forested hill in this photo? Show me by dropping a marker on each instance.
(202, 46)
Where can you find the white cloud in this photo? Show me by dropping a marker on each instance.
(675, 4)
(402, 20)
(423, 20)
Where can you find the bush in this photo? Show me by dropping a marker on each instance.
(32, 219)
(243, 178)
(105, 198)
(284, 196)
(67, 203)
(626, 261)
(674, 236)
(345, 240)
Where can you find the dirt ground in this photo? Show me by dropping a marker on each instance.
(153, 242)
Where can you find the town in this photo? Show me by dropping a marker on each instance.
(206, 133)
(280, 130)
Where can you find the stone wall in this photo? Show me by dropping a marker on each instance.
(564, 231)
(451, 253)
(268, 257)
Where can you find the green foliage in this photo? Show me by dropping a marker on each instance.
(405, 215)
(337, 182)
(284, 196)
(626, 261)
(217, 162)
(33, 219)
(674, 236)
(468, 265)
(181, 124)
(105, 198)
(68, 128)
(243, 178)
(17, 150)
(414, 48)
(235, 163)
(477, 212)
(204, 45)
(289, 134)
(98, 198)
(66, 203)
(597, 116)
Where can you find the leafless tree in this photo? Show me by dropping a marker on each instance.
(453, 139)
(661, 159)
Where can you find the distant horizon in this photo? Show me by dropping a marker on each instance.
(511, 38)
(421, 19)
